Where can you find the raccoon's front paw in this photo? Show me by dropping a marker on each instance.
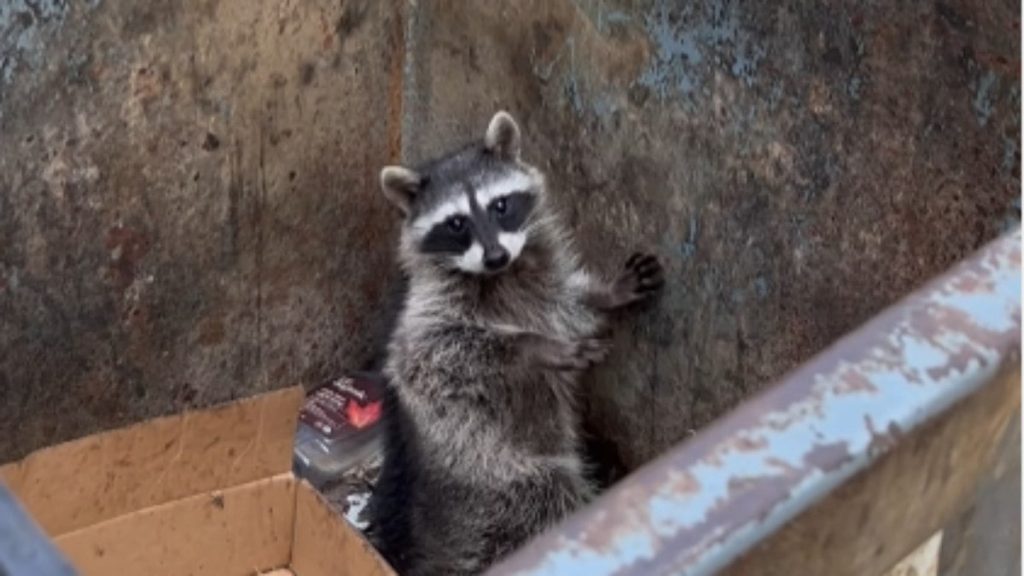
(642, 277)
(581, 354)
(572, 356)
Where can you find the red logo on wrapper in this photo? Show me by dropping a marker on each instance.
(344, 406)
(361, 416)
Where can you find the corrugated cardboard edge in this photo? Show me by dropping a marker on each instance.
(104, 476)
(239, 531)
(326, 545)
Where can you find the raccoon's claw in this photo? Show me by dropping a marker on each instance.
(642, 277)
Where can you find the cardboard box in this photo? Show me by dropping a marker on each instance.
(200, 493)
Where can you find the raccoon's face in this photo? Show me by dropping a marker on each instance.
(471, 210)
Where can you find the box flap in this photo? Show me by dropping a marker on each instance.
(240, 531)
(106, 475)
(325, 544)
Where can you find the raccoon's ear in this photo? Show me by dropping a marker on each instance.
(400, 185)
(502, 136)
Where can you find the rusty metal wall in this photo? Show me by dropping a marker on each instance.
(188, 202)
(188, 207)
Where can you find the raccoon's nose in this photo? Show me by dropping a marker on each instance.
(496, 259)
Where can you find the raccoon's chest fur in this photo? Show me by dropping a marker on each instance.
(548, 415)
(553, 307)
(508, 434)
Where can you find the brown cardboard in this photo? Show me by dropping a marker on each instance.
(105, 475)
(325, 545)
(238, 532)
(201, 493)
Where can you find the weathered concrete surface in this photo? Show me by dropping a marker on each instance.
(188, 205)
(798, 165)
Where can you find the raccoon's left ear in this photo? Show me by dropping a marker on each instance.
(400, 185)
(502, 137)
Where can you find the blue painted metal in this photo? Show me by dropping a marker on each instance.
(24, 549)
(711, 499)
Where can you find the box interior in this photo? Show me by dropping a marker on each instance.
(207, 492)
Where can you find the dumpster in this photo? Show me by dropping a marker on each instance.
(190, 217)
(843, 467)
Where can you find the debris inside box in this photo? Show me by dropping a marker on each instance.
(338, 443)
(350, 494)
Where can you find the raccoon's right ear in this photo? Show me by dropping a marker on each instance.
(400, 185)
(502, 137)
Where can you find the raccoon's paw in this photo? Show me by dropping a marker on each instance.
(642, 277)
(582, 354)
(572, 356)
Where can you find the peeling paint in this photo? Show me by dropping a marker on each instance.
(775, 94)
(617, 17)
(689, 247)
(746, 63)
(1011, 155)
(853, 86)
(691, 41)
(603, 19)
(580, 95)
(761, 287)
(675, 55)
(604, 106)
(24, 29)
(6, 69)
(1013, 219)
(984, 97)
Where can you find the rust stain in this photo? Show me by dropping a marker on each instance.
(747, 444)
(747, 497)
(126, 248)
(604, 538)
(828, 457)
(185, 395)
(969, 284)
(684, 484)
(628, 518)
(881, 442)
(851, 381)
(739, 484)
(1005, 66)
(211, 331)
(781, 464)
(327, 32)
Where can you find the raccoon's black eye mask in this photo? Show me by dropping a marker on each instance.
(453, 236)
(516, 209)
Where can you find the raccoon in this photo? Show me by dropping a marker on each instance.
(499, 322)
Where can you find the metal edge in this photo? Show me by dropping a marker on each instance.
(24, 549)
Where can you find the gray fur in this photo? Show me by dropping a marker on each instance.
(485, 368)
